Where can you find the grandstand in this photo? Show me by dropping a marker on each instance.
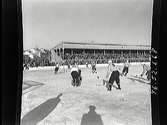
(99, 52)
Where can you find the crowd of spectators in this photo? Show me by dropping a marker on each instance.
(83, 58)
(101, 58)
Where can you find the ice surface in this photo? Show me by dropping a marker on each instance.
(129, 106)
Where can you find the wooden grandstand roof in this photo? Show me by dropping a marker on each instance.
(92, 45)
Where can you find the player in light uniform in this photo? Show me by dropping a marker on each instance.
(146, 71)
(113, 74)
(76, 75)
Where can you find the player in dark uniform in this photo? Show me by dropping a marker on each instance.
(68, 65)
(26, 66)
(94, 67)
(56, 68)
(86, 64)
(126, 68)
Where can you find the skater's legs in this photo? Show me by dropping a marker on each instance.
(123, 71)
(111, 81)
(117, 79)
(74, 75)
(56, 70)
(126, 71)
(149, 74)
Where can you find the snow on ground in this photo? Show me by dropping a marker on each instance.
(40, 106)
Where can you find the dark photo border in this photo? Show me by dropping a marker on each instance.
(11, 62)
(154, 62)
(12, 58)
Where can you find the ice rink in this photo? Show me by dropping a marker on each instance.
(50, 99)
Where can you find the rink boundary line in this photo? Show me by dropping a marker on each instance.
(84, 66)
(32, 87)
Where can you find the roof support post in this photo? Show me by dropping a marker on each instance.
(63, 53)
(63, 49)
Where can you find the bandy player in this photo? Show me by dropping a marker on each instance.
(112, 75)
(76, 75)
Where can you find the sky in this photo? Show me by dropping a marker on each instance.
(48, 22)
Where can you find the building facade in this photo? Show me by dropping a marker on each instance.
(99, 51)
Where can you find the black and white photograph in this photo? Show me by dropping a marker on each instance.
(87, 62)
